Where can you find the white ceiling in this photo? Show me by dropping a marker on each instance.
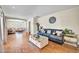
(28, 11)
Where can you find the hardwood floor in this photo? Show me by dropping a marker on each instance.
(18, 43)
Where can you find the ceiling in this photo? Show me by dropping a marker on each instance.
(28, 11)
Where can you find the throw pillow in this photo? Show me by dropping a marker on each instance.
(49, 31)
(59, 33)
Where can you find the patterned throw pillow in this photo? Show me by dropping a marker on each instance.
(59, 33)
(49, 31)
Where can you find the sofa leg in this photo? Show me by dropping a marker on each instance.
(49, 39)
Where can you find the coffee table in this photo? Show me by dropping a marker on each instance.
(40, 42)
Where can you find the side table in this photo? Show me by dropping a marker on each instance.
(72, 39)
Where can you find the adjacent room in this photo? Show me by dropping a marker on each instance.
(39, 28)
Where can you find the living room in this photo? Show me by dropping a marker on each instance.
(54, 29)
(64, 24)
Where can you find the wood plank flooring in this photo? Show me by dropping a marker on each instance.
(18, 43)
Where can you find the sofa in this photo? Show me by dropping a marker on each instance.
(11, 31)
(55, 35)
(20, 29)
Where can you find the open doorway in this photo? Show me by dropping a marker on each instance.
(16, 25)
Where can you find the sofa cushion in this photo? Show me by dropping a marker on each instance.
(54, 33)
(59, 33)
(49, 32)
(55, 37)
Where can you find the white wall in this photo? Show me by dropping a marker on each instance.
(12, 23)
(64, 19)
(27, 26)
(33, 27)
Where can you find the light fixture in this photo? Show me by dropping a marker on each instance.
(13, 7)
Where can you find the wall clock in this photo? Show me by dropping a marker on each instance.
(52, 19)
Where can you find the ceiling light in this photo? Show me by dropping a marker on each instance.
(13, 7)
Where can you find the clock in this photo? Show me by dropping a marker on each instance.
(52, 19)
